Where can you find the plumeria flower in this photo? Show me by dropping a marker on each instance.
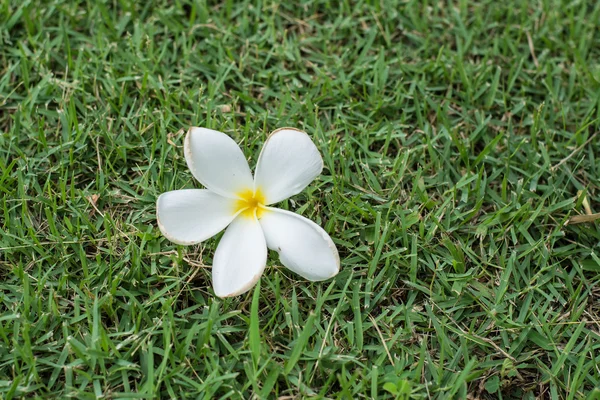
(288, 162)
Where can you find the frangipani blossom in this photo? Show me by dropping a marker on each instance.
(288, 162)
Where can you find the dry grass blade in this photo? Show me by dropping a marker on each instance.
(581, 219)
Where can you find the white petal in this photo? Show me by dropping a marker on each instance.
(288, 162)
(217, 162)
(240, 258)
(303, 246)
(191, 216)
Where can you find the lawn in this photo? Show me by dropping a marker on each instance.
(459, 141)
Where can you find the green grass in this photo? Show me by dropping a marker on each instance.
(440, 124)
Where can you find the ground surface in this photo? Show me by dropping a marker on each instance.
(457, 139)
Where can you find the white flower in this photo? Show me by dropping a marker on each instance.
(288, 162)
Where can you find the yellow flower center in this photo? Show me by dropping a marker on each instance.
(251, 203)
